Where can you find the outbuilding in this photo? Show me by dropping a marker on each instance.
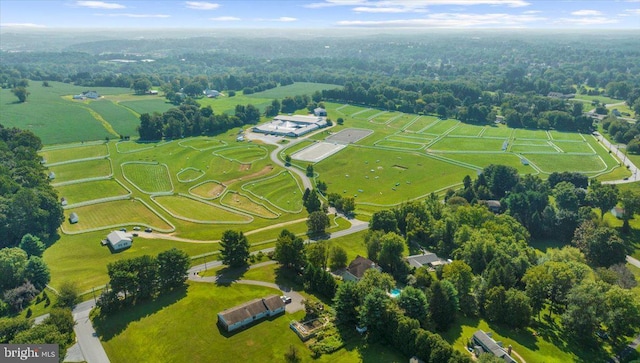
(73, 218)
(245, 314)
(119, 240)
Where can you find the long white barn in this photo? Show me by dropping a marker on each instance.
(292, 126)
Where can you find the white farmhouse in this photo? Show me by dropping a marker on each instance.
(119, 240)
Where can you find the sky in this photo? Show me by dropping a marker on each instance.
(306, 14)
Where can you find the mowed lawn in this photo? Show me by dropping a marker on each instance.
(82, 259)
(123, 120)
(81, 170)
(467, 144)
(202, 143)
(116, 213)
(282, 191)
(421, 123)
(191, 209)
(74, 152)
(208, 190)
(245, 154)
(244, 203)
(587, 164)
(372, 175)
(189, 175)
(91, 190)
(178, 328)
(149, 178)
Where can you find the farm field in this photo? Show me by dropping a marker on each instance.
(123, 120)
(98, 168)
(91, 190)
(101, 216)
(74, 152)
(202, 212)
(149, 178)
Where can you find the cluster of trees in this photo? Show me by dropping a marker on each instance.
(57, 328)
(29, 203)
(406, 322)
(143, 278)
(190, 120)
(24, 274)
(624, 132)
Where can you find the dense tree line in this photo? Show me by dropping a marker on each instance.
(143, 278)
(28, 203)
(190, 120)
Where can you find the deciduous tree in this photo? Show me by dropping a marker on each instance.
(235, 248)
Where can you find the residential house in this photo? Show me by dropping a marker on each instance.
(483, 343)
(119, 240)
(358, 267)
(617, 212)
(245, 314)
(73, 218)
(427, 259)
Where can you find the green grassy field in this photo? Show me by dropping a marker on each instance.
(188, 208)
(298, 88)
(189, 174)
(81, 170)
(282, 191)
(116, 213)
(149, 178)
(123, 120)
(147, 105)
(91, 190)
(208, 190)
(245, 154)
(75, 152)
(51, 114)
(421, 123)
(467, 144)
(203, 143)
(244, 203)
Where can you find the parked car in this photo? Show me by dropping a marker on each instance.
(286, 299)
(136, 228)
(148, 230)
(123, 229)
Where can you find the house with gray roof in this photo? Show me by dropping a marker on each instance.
(428, 259)
(483, 343)
(242, 315)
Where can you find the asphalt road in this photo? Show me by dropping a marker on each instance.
(86, 336)
(635, 175)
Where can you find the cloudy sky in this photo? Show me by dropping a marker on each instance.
(535, 14)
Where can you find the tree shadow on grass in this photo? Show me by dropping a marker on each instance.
(113, 324)
(455, 331)
(524, 337)
(228, 275)
(288, 278)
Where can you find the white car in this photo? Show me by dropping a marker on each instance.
(286, 299)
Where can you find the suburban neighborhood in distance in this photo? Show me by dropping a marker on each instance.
(320, 181)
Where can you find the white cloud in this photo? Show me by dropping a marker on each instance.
(364, 9)
(129, 15)
(225, 18)
(201, 5)
(21, 25)
(285, 19)
(99, 5)
(594, 20)
(587, 13)
(414, 4)
(632, 11)
(451, 20)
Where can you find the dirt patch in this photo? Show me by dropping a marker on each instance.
(400, 167)
(266, 170)
(209, 190)
(244, 167)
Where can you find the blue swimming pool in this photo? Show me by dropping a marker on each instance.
(394, 293)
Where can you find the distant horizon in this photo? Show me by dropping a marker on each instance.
(388, 15)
